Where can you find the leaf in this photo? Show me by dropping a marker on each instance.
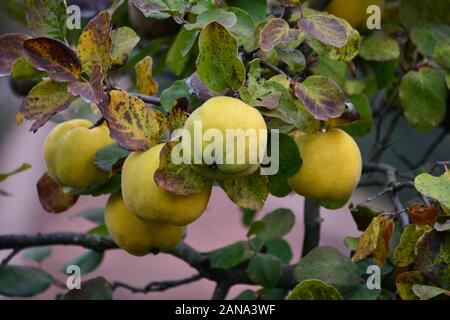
(428, 292)
(435, 187)
(351, 243)
(404, 254)
(362, 127)
(123, 41)
(38, 254)
(246, 295)
(265, 270)
(95, 215)
(11, 48)
(405, 282)
(423, 215)
(108, 157)
(92, 91)
(44, 100)
(244, 28)
(47, 18)
(413, 13)
(52, 196)
(95, 44)
(279, 223)
(289, 163)
(227, 257)
(133, 125)
(279, 248)
(247, 216)
(426, 37)
(178, 55)
(178, 178)
(433, 257)
(276, 31)
(379, 47)
(442, 52)
(363, 293)
(375, 240)
(422, 96)
(322, 97)
(101, 230)
(87, 262)
(326, 28)
(217, 64)
(93, 289)
(112, 186)
(144, 78)
(256, 228)
(363, 215)
(329, 265)
(170, 95)
(314, 290)
(22, 168)
(225, 18)
(248, 192)
(334, 204)
(23, 70)
(294, 58)
(333, 69)
(256, 8)
(21, 281)
(178, 114)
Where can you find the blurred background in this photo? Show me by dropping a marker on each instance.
(221, 224)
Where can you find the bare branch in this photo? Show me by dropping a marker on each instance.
(148, 99)
(157, 285)
(221, 290)
(8, 258)
(312, 222)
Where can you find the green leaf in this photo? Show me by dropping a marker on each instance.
(442, 53)
(405, 253)
(11, 48)
(362, 293)
(225, 18)
(227, 257)
(38, 254)
(293, 58)
(218, 65)
(107, 157)
(329, 265)
(247, 216)
(423, 98)
(95, 215)
(314, 289)
(364, 125)
(279, 223)
(272, 294)
(265, 270)
(435, 187)
(426, 37)
(111, 187)
(23, 70)
(246, 295)
(248, 192)
(161, 9)
(362, 266)
(87, 262)
(405, 282)
(47, 18)
(363, 216)
(244, 28)
(178, 55)
(23, 167)
(415, 13)
(256, 228)
(170, 95)
(21, 281)
(386, 72)
(351, 243)
(378, 47)
(279, 248)
(124, 40)
(93, 289)
(326, 28)
(255, 8)
(332, 69)
(101, 230)
(334, 204)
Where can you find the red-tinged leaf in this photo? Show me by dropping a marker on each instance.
(423, 215)
(44, 100)
(95, 43)
(52, 196)
(54, 57)
(134, 125)
(276, 31)
(144, 78)
(322, 97)
(92, 91)
(11, 48)
(375, 240)
(326, 28)
(248, 192)
(180, 179)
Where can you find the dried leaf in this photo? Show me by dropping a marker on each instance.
(144, 78)
(375, 240)
(326, 28)
(92, 91)
(44, 100)
(180, 179)
(276, 31)
(322, 97)
(178, 114)
(133, 125)
(52, 196)
(11, 48)
(248, 192)
(95, 43)
(54, 57)
(423, 215)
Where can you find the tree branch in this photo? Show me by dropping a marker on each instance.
(148, 99)
(157, 286)
(312, 226)
(8, 258)
(221, 290)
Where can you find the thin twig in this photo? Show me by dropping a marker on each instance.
(157, 285)
(9, 258)
(148, 99)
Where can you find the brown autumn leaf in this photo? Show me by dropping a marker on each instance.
(375, 240)
(53, 56)
(423, 215)
(52, 196)
(134, 125)
(45, 100)
(92, 91)
(11, 48)
(95, 43)
(144, 77)
(178, 115)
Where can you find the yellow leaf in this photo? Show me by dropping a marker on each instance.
(144, 78)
